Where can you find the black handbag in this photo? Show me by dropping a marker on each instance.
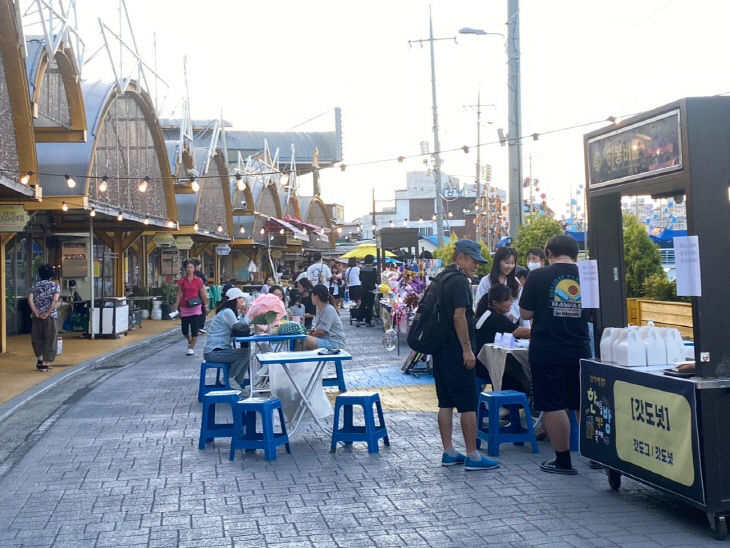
(195, 301)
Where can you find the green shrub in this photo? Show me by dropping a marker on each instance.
(446, 253)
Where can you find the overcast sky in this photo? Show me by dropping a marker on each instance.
(270, 65)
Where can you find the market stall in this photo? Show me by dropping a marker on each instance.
(664, 431)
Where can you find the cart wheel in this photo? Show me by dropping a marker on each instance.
(614, 479)
(719, 531)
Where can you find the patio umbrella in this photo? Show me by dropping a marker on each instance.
(364, 249)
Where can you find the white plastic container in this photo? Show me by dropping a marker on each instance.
(607, 339)
(156, 314)
(656, 350)
(630, 349)
(675, 346)
(59, 346)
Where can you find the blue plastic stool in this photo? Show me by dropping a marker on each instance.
(209, 429)
(245, 435)
(222, 381)
(489, 405)
(338, 380)
(350, 433)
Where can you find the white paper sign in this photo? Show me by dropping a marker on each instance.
(588, 274)
(687, 263)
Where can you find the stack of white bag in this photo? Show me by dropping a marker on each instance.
(640, 346)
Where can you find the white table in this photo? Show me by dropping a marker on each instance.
(305, 393)
(494, 359)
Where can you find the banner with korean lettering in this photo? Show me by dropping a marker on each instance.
(643, 424)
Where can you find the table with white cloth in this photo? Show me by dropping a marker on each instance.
(277, 342)
(494, 359)
(307, 386)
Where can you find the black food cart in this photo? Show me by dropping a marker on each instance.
(668, 432)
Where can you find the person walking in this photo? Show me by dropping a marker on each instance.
(318, 272)
(42, 300)
(352, 281)
(204, 308)
(190, 299)
(368, 282)
(229, 312)
(454, 362)
(559, 339)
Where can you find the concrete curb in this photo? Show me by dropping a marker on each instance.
(12, 405)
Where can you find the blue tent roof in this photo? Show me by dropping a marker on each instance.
(577, 236)
(504, 242)
(666, 237)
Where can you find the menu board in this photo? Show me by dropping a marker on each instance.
(644, 149)
(642, 424)
(74, 260)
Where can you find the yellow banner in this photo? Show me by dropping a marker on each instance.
(654, 431)
(13, 218)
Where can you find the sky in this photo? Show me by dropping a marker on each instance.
(271, 65)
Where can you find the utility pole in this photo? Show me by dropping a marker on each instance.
(373, 227)
(436, 145)
(514, 116)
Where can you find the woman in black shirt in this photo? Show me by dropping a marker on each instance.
(305, 288)
(491, 320)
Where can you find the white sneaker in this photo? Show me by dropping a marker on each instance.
(190, 352)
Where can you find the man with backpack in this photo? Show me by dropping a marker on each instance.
(318, 272)
(454, 360)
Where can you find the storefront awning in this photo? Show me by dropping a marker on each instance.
(276, 225)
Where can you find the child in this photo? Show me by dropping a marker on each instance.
(296, 307)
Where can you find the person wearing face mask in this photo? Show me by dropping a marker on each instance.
(535, 259)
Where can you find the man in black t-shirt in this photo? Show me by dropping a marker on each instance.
(454, 362)
(559, 339)
(368, 282)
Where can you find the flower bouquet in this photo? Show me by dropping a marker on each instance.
(264, 312)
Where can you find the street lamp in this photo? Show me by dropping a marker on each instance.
(514, 111)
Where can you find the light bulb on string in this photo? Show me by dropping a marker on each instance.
(194, 184)
(103, 185)
(220, 228)
(451, 214)
(304, 230)
(196, 226)
(146, 220)
(170, 223)
(25, 179)
(391, 223)
(120, 217)
(92, 213)
(243, 230)
(262, 231)
(69, 181)
(240, 184)
(143, 185)
(64, 206)
(405, 222)
(281, 231)
(433, 218)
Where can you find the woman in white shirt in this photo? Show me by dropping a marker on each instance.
(503, 272)
(352, 280)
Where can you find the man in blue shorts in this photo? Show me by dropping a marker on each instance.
(558, 341)
(454, 362)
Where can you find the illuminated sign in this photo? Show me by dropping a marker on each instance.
(645, 149)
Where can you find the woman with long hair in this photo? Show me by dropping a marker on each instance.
(305, 289)
(327, 330)
(503, 272)
(191, 298)
(352, 281)
(230, 311)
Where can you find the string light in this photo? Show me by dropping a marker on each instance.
(305, 231)
(339, 230)
(281, 231)
(194, 184)
(143, 185)
(451, 214)
(170, 224)
(262, 231)
(103, 184)
(220, 228)
(25, 179)
(391, 223)
(92, 213)
(120, 217)
(420, 219)
(405, 222)
(374, 227)
(64, 206)
(240, 185)
(243, 230)
(433, 218)
(146, 220)
(195, 226)
(69, 181)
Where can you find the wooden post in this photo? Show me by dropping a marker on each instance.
(118, 251)
(217, 269)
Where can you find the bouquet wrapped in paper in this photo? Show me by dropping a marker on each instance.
(266, 310)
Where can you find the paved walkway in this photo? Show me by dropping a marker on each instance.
(121, 467)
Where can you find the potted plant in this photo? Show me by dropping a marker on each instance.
(169, 294)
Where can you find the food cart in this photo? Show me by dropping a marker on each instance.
(668, 432)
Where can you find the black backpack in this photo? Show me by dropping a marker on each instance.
(429, 329)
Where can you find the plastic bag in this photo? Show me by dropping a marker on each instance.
(390, 339)
(282, 388)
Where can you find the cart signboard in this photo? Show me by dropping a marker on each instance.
(13, 218)
(643, 425)
(644, 149)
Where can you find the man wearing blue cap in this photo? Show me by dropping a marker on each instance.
(454, 363)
